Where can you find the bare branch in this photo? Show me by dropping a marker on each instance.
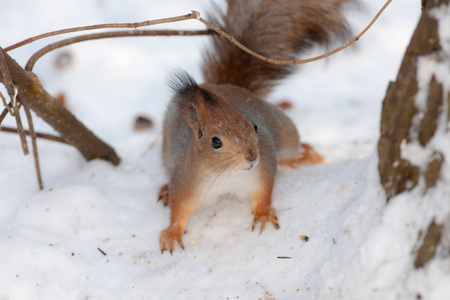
(7, 107)
(33, 59)
(193, 15)
(24, 101)
(45, 136)
(46, 107)
(101, 26)
(3, 115)
(23, 140)
(289, 62)
(12, 91)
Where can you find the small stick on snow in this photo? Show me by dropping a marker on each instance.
(101, 251)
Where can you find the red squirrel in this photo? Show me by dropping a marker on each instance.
(222, 137)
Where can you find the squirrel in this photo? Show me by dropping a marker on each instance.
(222, 137)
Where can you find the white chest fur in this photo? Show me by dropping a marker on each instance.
(240, 184)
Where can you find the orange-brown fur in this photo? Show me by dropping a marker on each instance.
(274, 28)
(222, 137)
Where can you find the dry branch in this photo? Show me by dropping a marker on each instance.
(65, 123)
(12, 91)
(290, 62)
(41, 135)
(4, 113)
(26, 107)
(114, 34)
(7, 107)
(193, 15)
(101, 26)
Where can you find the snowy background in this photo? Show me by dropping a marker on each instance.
(358, 247)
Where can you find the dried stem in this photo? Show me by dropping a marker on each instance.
(6, 76)
(101, 26)
(24, 101)
(289, 62)
(7, 107)
(193, 15)
(3, 114)
(12, 91)
(33, 59)
(23, 140)
(53, 113)
(41, 135)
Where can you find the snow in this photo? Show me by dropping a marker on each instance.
(358, 247)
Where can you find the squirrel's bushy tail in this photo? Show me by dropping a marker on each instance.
(278, 29)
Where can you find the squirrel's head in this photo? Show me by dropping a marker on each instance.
(224, 138)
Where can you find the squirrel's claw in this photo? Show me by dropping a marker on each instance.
(269, 215)
(164, 194)
(168, 236)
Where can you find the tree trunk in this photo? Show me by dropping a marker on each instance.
(404, 122)
(64, 122)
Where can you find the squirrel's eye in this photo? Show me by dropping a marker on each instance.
(216, 143)
(255, 127)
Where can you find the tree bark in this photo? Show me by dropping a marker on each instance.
(396, 173)
(427, 250)
(399, 125)
(52, 112)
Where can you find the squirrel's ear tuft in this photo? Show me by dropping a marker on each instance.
(182, 82)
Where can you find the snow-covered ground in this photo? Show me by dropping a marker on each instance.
(358, 247)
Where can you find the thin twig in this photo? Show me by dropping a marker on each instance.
(288, 62)
(45, 136)
(7, 80)
(100, 26)
(7, 107)
(101, 251)
(33, 59)
(193, 15)
(6, 75)
(37, 166)
(3, 115)
(23, 140)
(6, 110)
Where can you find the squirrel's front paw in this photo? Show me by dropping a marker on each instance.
(174, 232)
(268, 214)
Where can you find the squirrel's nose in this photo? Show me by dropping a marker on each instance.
(251, 157)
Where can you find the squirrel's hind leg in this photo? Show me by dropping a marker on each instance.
(308, 155)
